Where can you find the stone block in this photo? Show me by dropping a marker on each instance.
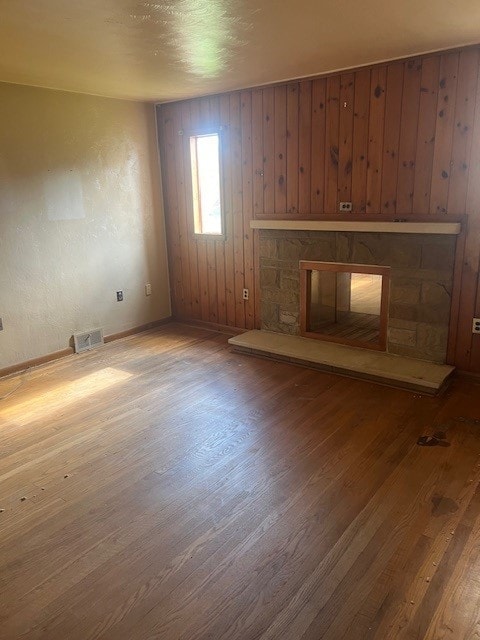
(318, 250)
(269, 277)
(291, 329)
(432, 341)
(288, 318)
(405, 291)
(290, 278)
(439, 254)
(289, 249)
(434, 314)
(408, 312)
(404, 337)
(441, 277)
(270, 312)
(268, 248)
(284, 296)
(399, 323)
(343, 247)
(368, 248)
(435, 293)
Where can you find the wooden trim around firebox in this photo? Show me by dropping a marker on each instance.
(306, 268)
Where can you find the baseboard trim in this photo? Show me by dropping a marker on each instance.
(469, 375)
(140, 329)
(35, 362)
(56, 355)
(210, 326)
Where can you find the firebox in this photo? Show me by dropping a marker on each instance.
(345, 303)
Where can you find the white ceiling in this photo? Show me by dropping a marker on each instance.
(153, 50)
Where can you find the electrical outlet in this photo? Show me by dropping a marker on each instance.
(476, 325)
(1, 324)
(119, 296)
(245, 294)
(345, 206)
(148, 289)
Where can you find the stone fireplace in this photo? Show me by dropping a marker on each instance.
(421, 281)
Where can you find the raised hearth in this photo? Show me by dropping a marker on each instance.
(415, 375)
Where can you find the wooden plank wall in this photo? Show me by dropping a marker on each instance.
(395, 139)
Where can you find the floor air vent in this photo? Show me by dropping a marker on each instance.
(87, 340)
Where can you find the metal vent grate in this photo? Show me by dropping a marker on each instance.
(88, 340)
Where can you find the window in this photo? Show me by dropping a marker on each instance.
(206, 190)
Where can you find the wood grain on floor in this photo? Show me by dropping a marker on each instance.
(176, 490)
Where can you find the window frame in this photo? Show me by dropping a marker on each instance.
(198, 132)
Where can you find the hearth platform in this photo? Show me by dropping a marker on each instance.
(384, 368)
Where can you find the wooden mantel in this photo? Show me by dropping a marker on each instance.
(377, 226)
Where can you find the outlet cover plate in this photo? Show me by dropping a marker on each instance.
(476, 325)
(119, 296)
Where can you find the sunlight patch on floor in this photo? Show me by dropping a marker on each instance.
(41, 405)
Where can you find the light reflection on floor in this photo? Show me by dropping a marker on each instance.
(43, 404)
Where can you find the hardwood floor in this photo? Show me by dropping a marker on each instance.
(175, 490)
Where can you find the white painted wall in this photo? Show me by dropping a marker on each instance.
(80, 216)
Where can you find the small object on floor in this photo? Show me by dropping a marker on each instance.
(66, 475)
(2, 510)
(23, 498)
(432, 441)
(428, 580)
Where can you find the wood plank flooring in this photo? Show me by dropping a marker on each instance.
(175, 490)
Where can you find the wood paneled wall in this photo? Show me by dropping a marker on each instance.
(397, 139)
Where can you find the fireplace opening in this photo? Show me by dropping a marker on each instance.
(345, 303)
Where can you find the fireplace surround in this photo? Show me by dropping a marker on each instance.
(421, 269)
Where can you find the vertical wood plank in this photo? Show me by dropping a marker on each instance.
(304, 167)
(345, 148)
(292, 148)
(360, 140)
(173, 233)
(237, 207)
(196, 122)
(393, 106)
(318, 146)
(378, 85)
(467, 355)
(258, 207)
(408, 135)
(426, 135)
(181, 187)
(280, 148)
(247, 206)
(269, 150)
(192, 245)
(462, 133)
(474, 362)
(257, 150)
(200, 118)
(228, 213)
(219, 243)
(444, 133)
(331, 144)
